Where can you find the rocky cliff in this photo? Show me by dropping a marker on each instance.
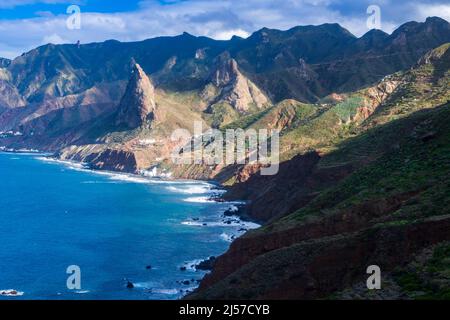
(375, 197)
(138, 103)
(384, 214)
(234, 88)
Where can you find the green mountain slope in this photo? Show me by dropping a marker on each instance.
(377, 195)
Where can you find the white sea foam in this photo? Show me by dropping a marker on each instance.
(190, 265)
(123, 177)
(191, 223)
(142, 285)
(227, 237)
(83, 167)
(97, 182)
(82, 291)
(156, 173)
(151, 287)
(233, 222)
(209, 224)
(199, 200)
(70, 164)
(191, 189)
(166, 291)
(11, 293)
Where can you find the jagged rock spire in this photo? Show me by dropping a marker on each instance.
(138, 103)
(236, 89)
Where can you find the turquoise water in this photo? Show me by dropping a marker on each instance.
(53, 215)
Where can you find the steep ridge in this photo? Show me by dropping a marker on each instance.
(229, 94)
(307, 133)
(55, 123)
(221, 80)
(340, 117)
(394, 190)
(138, 103)
(304, 63)
(403, 200)
(136, 136)
(234, 88)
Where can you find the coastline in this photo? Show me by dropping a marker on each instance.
(207, 191)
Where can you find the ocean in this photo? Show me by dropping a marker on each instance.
(115, 227)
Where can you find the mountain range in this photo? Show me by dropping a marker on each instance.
(364, 144)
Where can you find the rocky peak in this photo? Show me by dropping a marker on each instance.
(431, 32)
(138, 103)
(437, 21)
(225, 71)
(234, 88)
(435, 55)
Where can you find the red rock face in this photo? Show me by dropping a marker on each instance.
(114, 160)
(296, 184)
(319, 258)
(243, 250)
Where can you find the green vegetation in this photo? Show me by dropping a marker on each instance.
(221, 114)
(246, 121)
(401, 151)
(428, 277)
(348, 108)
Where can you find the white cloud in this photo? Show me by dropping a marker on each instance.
(441, 10)
(227, 35)
(217, 19)
(54, 38)
(7, 4)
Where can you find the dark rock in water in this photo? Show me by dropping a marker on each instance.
(242, 230)
(183, 268)
(148, 267)
(207, 264)
(130, 285)
(230, 212)
(205, 224)
(195, 219)
(9, 293)
(186, 282)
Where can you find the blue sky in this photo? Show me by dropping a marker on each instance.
(31, 9)
(25, 24)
